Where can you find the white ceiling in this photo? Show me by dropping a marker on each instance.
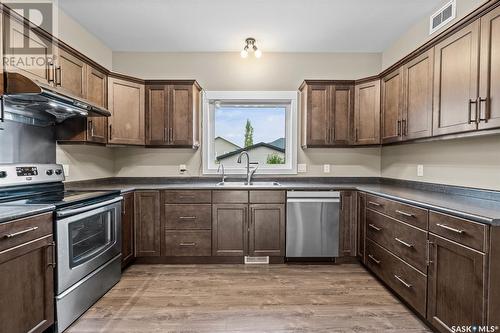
(223, 25)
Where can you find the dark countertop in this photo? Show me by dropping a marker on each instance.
(9, 212)
(477, 207)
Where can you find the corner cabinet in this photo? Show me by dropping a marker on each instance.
(367, 113)
(326, 113)
(126, 104)
(172, 114)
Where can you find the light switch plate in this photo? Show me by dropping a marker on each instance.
(420, 170)
(326, 168)
(301, 167)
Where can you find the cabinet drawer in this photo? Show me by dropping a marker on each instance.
(187, 243)
(462, 231)
(407, 213)
(24, 230)
(267, 197)
(181, 216)
(226, 197)
(407, 282)
(190, 197)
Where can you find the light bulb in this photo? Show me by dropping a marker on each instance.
(244, 53)
(258, 53)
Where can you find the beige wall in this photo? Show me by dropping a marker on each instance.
(418, 34)
(86, 162)
(473, 162)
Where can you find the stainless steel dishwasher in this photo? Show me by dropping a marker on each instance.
(312, 225)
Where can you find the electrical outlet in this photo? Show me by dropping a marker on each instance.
(326, 168)
(301, 167)
(182, 168)
(420, 170)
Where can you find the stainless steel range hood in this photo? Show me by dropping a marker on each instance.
(28, 98)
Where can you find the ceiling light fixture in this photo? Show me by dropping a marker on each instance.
(250, 47)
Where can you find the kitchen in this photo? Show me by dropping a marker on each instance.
(320, 166)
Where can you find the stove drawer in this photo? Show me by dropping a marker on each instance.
(188, 243)
(20, 231)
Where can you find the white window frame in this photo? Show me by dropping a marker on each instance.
(209, 97)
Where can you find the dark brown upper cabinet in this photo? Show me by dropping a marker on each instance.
(367, 113)
(489, 83)
(126, 104)
(326, 113)
(392, 102)
(456, 70)
(70, 74)
(172, 114)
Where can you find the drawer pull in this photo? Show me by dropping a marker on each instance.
(19, 233)
(403, 242)
(374, 227)
(444, 226)
(376, 204)
(187, 217)
(374, 259)
(53, 255)
(406, 284)
(187, 244)
(404, 213)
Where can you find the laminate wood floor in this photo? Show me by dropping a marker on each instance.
(239, 298)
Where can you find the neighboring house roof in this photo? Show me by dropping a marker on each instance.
(231, 143)
(260, 144)
(280, 143)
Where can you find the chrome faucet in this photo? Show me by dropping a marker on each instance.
(221, 167)
(250, 173)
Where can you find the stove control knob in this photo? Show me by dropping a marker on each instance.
(3, 174)
(58, 172)
(49, 172)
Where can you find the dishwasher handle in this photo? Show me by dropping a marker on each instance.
(314, 200)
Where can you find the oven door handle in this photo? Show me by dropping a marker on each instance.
(68, 212)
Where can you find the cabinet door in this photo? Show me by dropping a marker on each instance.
(127, 229)
(97, 93)
(489, 90)
(147, 224)
(70, 74)
(392, 98)
(361, 218)
(267, 230)
(18, 37)
(347, 222)
(417, 106)
(229, 229)
(27, 287)
(157, 132)
(456, 69)
(367, 113)
(341, 117)
(180, 118)
(126, 104)
(456, 286)
(318, 115)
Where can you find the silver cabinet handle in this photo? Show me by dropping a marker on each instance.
(376, 204)
(374, 227)
(188, 244)
(187, 217)
(375, 260)
(53, 262)
(444, 226)
(406, 284)
(404, 213)
(58, 78)
(19, 233)
(470, 120)
(486, 113)
(165, 134)
(403, 242)
(429, 244)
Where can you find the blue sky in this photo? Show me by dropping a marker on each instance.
(268, 123)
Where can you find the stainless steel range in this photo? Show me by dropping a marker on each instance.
(87, 227)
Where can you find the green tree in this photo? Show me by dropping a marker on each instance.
(274, 158)
(248, 134)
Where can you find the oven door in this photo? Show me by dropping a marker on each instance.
(86, 239)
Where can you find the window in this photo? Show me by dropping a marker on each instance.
(260, 123)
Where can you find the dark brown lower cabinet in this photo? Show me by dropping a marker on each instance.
(27, 287)
(147, 224)
(127, 229)
(456, 285)
(347, 224)
(361, 217)
(267, 230)
(229, 229)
